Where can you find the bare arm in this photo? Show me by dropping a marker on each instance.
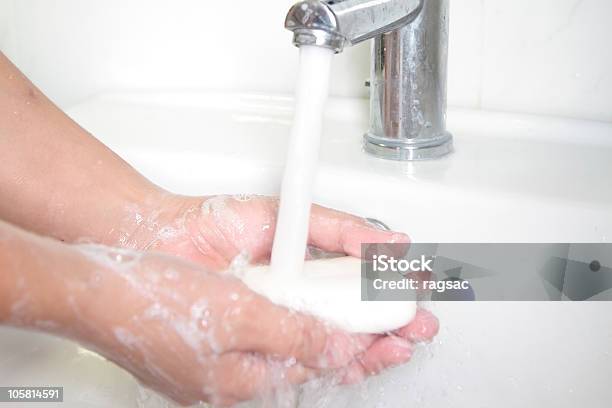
(55, 178)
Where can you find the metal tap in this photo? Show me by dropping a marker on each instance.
(408, 69)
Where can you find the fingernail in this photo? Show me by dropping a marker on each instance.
(386, 237)
(378, 236)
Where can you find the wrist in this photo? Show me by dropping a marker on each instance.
(158, 216)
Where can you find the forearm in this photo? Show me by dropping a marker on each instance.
(55, 178)
(53, 287)
(28, 291)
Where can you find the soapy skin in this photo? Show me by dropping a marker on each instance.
(190, 334)
(159, 304)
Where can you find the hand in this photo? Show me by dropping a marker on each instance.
(189, 334)
(197, 336)
(213, 231)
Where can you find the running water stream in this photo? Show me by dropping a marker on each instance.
(328, 289)
(301, 164)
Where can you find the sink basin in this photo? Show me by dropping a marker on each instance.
(512, 178)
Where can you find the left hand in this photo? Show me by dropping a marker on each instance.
(213, 231)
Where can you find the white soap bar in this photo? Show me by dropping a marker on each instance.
(330, 289)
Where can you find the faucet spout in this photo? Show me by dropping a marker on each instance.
(408, 70)
(337, 24)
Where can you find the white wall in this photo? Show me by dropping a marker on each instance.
(536, 56)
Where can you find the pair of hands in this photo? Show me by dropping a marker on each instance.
(194, 333)
(175, 321)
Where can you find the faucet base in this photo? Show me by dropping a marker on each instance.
(407, 149)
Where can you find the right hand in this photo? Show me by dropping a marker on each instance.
(197, 336)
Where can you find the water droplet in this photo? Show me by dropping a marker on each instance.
(290, 362)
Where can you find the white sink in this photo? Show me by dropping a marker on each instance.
(512, 179)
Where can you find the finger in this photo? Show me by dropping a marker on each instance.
(422, 328)
(243, 376)
(281, 333)
(386, 352)
(335, 231)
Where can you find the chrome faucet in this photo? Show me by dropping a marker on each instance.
(408, 73)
